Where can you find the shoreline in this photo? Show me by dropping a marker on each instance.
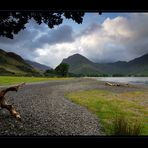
(46, 111)
(101, 79)
(134, 84)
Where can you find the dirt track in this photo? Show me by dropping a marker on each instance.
(45, 110)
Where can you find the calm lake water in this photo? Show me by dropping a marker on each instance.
(131, 80)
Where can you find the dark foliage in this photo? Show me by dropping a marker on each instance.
(62, 69)
(50, 72)
(11, 22)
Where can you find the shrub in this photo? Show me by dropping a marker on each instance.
(122, 126)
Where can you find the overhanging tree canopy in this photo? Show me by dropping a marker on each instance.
(11, 22)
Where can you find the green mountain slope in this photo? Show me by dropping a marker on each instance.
(38, 66)
(78, 64)
(81, 65)
(13, 64)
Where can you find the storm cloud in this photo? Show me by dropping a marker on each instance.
(121, 38)
(34, 37)
(59, 35)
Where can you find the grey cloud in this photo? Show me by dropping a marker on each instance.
(93, 27)
(62, 34)
(36, 36)
(27, 38)
(137, 45)
(123, 48)
(107, 48)
(22, 43)
(31, 30)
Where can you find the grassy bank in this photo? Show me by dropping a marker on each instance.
(108, 105)
(9, 80)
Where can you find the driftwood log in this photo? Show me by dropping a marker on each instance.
(116, 84)
(4, 104)
(112, 84)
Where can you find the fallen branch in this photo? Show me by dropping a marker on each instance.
(4, 104)
(112, 84)
(116, 84)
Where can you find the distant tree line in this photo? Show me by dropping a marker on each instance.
(62, 71)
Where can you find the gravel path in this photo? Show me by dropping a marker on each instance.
(45, 110)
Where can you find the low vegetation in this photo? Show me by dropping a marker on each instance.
(9, 80)
(119, 113)
(121, 126)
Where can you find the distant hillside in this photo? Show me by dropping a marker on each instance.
(37, 65)
(13, 64)
(81, 65)
(139, 65)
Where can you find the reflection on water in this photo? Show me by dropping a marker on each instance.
(132, 80)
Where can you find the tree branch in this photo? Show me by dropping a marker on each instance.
(4, 104)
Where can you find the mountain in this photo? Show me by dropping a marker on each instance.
(37, 66)
(13, 64)
(139, 65)
(81, 65)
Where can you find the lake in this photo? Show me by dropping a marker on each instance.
(131, 80)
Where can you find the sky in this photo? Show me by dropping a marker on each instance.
(104, 38)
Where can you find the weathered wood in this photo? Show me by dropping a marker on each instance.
(108, 83)
(4, 104)
(116, 84)
(112, 84)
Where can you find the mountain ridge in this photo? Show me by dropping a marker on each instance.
(79, 63)
(37, 65)
(137, 66)
(13, 64)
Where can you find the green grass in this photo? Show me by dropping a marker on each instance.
(121, 126)
(9, 80)
(108, 105)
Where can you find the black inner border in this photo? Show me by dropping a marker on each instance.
(76, 5)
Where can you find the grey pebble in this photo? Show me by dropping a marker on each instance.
(45, 111)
